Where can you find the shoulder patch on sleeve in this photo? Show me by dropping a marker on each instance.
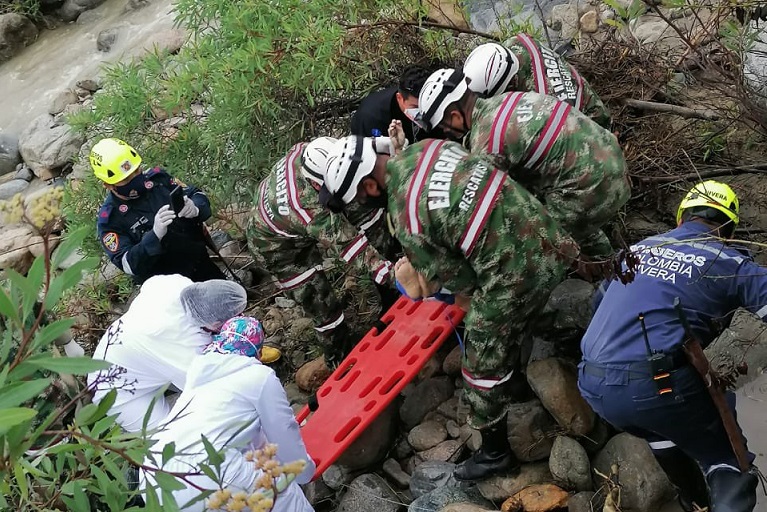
(104, 212)
(111, 241)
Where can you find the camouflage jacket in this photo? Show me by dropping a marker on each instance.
(468, 225)
(541, 142)
(289, 215)
(543, 71)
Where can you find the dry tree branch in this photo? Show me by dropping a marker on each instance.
(743, 169)
(678, 110)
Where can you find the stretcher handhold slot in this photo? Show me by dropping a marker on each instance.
(439, 312)
(410, 344)
(387, 387)
(347, 429)
(346, 369)
(350, 380)
(431, 338)
(385, 339)
(370, 387)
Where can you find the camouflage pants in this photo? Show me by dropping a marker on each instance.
(298, 269)
(503, 311)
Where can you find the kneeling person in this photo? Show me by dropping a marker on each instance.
(293, 232)
(238, 404)
(571, 164)
(137, 228)
(672, 409)
(471, 228)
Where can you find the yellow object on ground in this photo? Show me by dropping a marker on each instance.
(270, 354)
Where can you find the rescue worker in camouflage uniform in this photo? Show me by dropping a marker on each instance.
(293, 233)
(478, 233)
(571, 164)
(523, 64)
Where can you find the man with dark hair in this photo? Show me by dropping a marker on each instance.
(400, 102)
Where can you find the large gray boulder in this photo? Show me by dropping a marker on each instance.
(439, 498)
(569, 464)
(555, 382)
(499, 487)
(74, 8)
(745, 340)
(530, 429)
(374, 443)
(755, 62)
(431, 475)
(14, 248)
(9, 153)
(427, 435)
(425, 397)
(16, 32)
(11, 188)
(369, 493)
(48, 144)
(644, 485)
(570, 305)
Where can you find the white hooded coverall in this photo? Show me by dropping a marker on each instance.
(154, 344)
(238, 404)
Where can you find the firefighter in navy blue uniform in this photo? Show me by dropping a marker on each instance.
(635, 371)
(137, 227)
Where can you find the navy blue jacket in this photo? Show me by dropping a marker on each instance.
(376, 112)
(125, 231)
(710, 278)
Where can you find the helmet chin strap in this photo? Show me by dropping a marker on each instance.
(383, 146)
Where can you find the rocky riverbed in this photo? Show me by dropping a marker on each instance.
(405, 459)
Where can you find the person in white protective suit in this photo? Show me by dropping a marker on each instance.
(238, 404)
(153, 344)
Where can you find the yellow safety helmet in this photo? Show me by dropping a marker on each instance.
(711, 194)
(113, 160)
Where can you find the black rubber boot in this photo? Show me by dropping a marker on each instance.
(494, 456)
(340, 344)
(732, 491)
(686, 476)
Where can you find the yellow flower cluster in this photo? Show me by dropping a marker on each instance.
(273, 480)
(46, 207)
(12, 209)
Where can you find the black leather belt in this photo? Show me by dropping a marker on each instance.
(638, 369)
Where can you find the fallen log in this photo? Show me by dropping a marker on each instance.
(713, 173)
(665, 108)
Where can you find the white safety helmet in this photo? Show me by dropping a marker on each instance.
(442, 88)
(350, 161)
(315, 158)
(489, 68)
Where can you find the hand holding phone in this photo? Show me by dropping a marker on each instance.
(177, 199)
